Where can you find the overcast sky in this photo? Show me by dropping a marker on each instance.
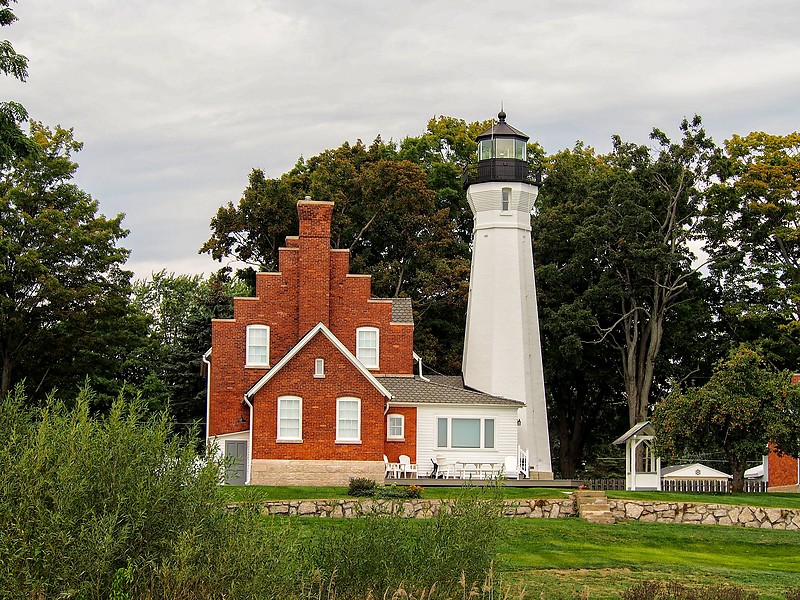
(177, 101)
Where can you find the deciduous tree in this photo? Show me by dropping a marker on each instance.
(743, 407)
(61, 270)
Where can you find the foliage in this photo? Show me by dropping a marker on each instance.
(742, 408)
(82, 495)
(361, 487)
(672, 590)
(752, 235)
(403, 225)
(179, 310)
(377, 552)
(63, 291)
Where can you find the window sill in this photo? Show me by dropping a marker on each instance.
(352, 442)
(319, 376)
(280, 441)
(395, 439)
(256, 366)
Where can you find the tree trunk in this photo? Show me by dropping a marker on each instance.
(570, 431)
(5, 383)
(738, 467)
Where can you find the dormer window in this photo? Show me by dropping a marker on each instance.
(367, 346)
(257, 346)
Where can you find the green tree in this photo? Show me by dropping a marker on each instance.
(752, 224)
(61, 275)
(581, 374)
(179, 309)
(13, 141)
(743, 407)
(385, 214)
(646, 214)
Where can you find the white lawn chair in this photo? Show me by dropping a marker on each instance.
(392, 469)
(445, 470)
(510, 467)
(407, 469)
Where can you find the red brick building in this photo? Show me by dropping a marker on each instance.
(312, 381)
(783, 470)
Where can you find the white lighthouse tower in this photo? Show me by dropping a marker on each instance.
(502, 350)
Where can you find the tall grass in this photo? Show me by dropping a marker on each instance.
(118, 506)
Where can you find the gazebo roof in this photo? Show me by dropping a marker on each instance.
(643, 428)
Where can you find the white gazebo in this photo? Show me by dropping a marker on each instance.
(642, 466)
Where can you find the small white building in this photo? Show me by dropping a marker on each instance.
(693, 472)
(642, 466)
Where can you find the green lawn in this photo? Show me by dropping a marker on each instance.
(561, 557)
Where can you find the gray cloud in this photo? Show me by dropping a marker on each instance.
(177, 101)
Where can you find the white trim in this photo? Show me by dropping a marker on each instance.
(204, 358)
(389, 435)
(318, 328)
(319, 368)
(249, 442)
(376, 364)
(339, 438)
(481, 433)
(278, 420)
(247, 361)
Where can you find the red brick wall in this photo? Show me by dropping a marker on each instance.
(394, 448)
(783, 469)
(319, 396)
(313, 285)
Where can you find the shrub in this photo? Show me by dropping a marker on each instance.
(361, 487)
(381, 551)
(663, 590)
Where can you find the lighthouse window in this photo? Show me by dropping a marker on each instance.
(506, 199)
(505, 148)
(521, 149)
(485, 150)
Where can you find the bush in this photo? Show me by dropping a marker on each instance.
(663, 590)
(119, 507)
(361, 487)
(383, 550)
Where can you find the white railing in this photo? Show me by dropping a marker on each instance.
(522, 461)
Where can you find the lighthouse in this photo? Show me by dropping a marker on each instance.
(502, 349)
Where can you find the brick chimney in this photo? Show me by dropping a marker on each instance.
(314, 244)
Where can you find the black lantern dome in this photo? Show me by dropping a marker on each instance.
(502, 154)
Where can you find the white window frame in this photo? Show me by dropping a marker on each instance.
(319, 368)
(505, 200)
(482, 444)
(402, 434)
(284, 438)
(339, 437)
(251, 328)
(359, 355)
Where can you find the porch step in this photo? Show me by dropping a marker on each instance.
(593, 506)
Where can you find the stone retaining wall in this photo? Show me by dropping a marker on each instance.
(417, 509)
(705, 514)
(623, 510)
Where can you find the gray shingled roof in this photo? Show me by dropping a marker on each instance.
(418, 391)
(402, 311)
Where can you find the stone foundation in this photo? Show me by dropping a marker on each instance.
(313, 472)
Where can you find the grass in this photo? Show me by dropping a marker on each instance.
(566, 557)
(262, 493)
